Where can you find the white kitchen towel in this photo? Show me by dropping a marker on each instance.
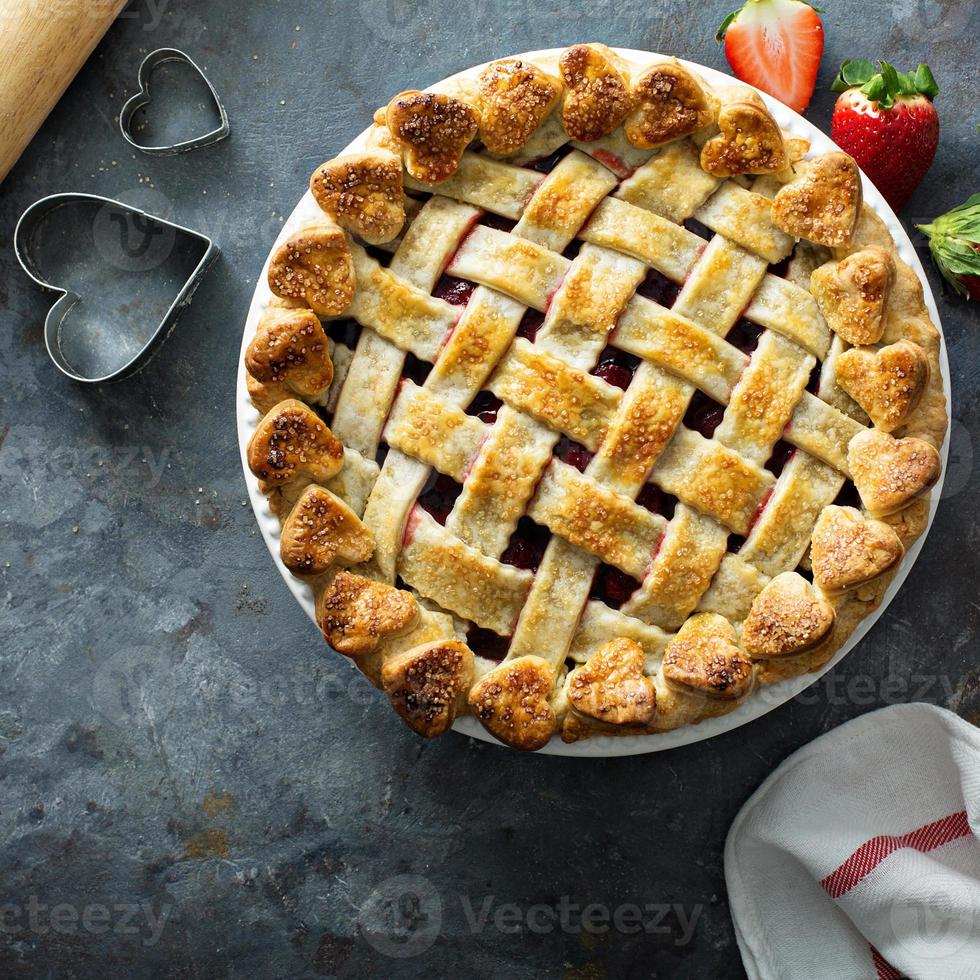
(859, 857)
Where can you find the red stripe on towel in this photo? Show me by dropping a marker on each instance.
(870, 854)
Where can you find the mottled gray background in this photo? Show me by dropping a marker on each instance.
(189, 785)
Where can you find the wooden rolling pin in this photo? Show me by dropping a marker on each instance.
(43, 44)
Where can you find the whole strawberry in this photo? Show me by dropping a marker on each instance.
(954, 241)
(887, 122)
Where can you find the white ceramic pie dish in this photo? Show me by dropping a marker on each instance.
(766, 697)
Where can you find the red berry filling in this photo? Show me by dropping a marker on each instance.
(659, 288)
(813, 382)
(573, 453)
(616, 367)
(486, 643)
(702, 231)
(703, 415)
(415, 369)
(485, 407)
(544, 165)
(745, 336)
(612, 586)
(781, 453)
(781, 268)
(526, 546)
(654, 499)
(848, 496)
(346, 332)
(530, 325)
(498, 221)
(439, 495)
(453, 290)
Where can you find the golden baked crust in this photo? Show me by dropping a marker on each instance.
(291, 441)
(514, 98)
(669, 102)
(314, 267)
(853, 294)
(749, 142)
(512, 702)
(290, 351)
(822, 203)
(849, 549)
(593, 437)
(320, 530)
(362, 192)
(356, 614)
(433, 130)
(787, 617)
(597, 91)
(610, 687)
(889, 473)
(703, 659)
(887, 383)
(428, 684)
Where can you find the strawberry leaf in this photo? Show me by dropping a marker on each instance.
(887, 85)
(906, 83)
(855, 72)
(725, 24)
(954, 242)
(877, 91)
(925, 83)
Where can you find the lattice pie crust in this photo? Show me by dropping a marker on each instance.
(590, 402)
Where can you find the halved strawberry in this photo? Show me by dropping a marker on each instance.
(775, 45)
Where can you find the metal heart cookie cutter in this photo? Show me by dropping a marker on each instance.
(124, 276)
(143, 97)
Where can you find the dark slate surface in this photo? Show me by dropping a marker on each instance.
(189, 786)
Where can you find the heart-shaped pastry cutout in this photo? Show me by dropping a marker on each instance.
(669, 102)
(889, 473)
(314, 268)
(321, 530)
(703, 659)
(290, 441)
(597, 91)
(356, 614)
(887, 383)
(363, 192)
(848, 549)
(787, 617)
(611, 687)
(823, 202)
(188, 100)
(514, 98)
(749, 142)
(290, 350)
(512, 702)
(427, 685)
(852, 294)
(433, 130)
